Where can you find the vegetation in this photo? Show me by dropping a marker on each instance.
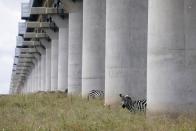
(57, 112)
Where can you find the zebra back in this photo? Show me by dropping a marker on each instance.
(95, 94)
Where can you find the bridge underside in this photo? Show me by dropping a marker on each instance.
(142, 48)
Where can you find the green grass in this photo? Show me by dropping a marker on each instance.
(56, 112)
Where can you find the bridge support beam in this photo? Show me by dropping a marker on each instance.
(42, 65)
(54, 58)
(43, 72)
(62, 52)
(75, 52)
(36, 77)
(39, 74)
(54, 65)
(93, 58)
(30, 82)
(171, 66)
(126, 49)
(47, 45)
(33, 79)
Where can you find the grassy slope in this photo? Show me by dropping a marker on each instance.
(56, 112)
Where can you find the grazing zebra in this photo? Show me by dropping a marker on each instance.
(95, 94)
(133, 105)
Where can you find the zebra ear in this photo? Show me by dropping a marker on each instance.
(120, 95)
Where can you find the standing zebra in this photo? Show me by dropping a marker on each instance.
(133, 105)
(95, 94)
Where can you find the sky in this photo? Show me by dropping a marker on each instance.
(10, 11)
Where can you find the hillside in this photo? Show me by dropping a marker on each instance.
(57, 112)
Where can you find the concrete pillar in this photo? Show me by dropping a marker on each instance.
(43, 72)
(34, 79)
(37, 62)
(93, 58)
(54, 65)
(171, 65)
(15, 89)
(36, 72)
(62, 52)
(27, 90)
(21, 91)
(126, 49)
(47, 45)
(30, 82)
(24, 88)
(28, 85)
(39, 74)
(75, 52)
(54, 59)
(42, 51)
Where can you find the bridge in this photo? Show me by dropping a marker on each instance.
(142, 48)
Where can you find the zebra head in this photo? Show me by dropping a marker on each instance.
(126, 101)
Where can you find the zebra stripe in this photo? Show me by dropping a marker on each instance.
(95, 94)
(140, 105)
(133, 105)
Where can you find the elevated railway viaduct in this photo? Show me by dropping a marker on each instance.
(142, 48)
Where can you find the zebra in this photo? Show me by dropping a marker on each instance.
(133, 105)
(95, 94)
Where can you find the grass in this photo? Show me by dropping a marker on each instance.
(56, 112)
